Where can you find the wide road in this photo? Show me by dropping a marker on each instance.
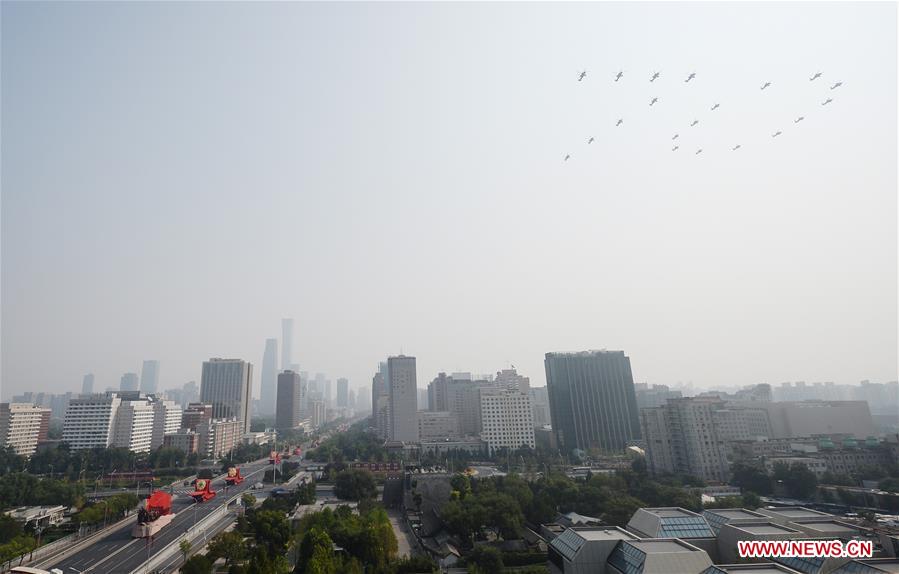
(118, 553)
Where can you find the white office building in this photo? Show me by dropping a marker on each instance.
(22, 425)
(506, 418)
(166, 420)
(89, 421)
(133, 428)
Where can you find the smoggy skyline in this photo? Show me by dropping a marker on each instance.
(179, 177)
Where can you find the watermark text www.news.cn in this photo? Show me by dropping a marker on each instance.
(805, 548)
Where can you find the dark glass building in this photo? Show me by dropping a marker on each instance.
(592, 400)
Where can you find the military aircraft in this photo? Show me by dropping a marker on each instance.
(566, 157)
(620, 74)
(654, 77)
(654, 100)
(590, 141)
(815, 77)
(699, 151)
(690, 77)
(675, 148)
(620, 121)
(799, 119)
(715, 107)
(777, 133)
(736, 147)
(675, 137)
(827, 101)
(766, 85)
(835, 86)
(694, 123)
(582, 75)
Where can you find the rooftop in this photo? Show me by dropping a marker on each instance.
(764, 528)
(735, 513)
(871, 566)
(612, 533)
(763, 568)
(662, 546)
(794, 512)
(827, 526)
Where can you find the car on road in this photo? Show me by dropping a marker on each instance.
(258, 486)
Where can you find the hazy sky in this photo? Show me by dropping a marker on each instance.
(178, 177)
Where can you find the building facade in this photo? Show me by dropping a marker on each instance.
(287, 345)
(87, 384)
(403, 392)
(289, 413)
(22, 426)
(149, 377)
(269, 378)
(90, 421)
(129, 382)
(226, 385)
(592, 400)
(343, 393)
(380, 401)
(506, 418)
(437, 425)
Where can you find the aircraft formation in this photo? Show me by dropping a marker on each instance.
(654, 100)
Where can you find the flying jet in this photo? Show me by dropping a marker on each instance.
(566, 157)
(715, 107)
(620, 121)
(827, 101)
(777, 133)
(766, 85)
(736, 147)
(815, 77)
(582, 75)
(654, 77)
(620, 74)
(590, 141)
(699, 151)
(694, 123)
(654, 100)
(675, 148)
(690, 77)
(799, 119)
(675, 137)
(835, 86)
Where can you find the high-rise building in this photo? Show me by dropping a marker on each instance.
(149, 377)
(226, 385)
(351, 399)
(22, 426)
(167, 417)
(654, 396)
(287, 345)
(89, 421)
(87, 384)
(218, 437)
(190, 393)
(269, 385)
(422, 399)
(403, 392)
(318, 413)
(380, 402)
(288, 412)
(511, 379)
(437, 425)
(540, 406)
(129, 382)
(133, 428)
(343, 392)
(506, 418)
(592, 400)
(196, 415)
(683, 437)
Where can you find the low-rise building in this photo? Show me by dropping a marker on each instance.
(733, 532)
(438, 425)
(184, 439)
(39, 517)
(657, 556)
(718, 517)
(23, 426)
(584, 550)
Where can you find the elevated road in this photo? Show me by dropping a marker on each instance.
(118, 553)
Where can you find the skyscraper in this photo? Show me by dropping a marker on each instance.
(129, 382)
(343, 392)
(403, 392)
(87, 384)
(286, 344)
(380, 402)
(226, 385)
(592, 400)
(149, 377)
(268, 391)
(288, 412)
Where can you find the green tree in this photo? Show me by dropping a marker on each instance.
(799, 481)
(889, 484)
(184, 547)
(228, 545)
(750, 477)
(355, 484)
(316, 554)
(197, 564)
(248, 500)
(271, 530)
(485, 559)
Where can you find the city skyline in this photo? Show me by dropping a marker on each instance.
(396, 191)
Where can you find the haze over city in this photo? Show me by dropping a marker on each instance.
(179, 177)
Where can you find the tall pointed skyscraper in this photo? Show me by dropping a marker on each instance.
(268, 391)
(286, 344)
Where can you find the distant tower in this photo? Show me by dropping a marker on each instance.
(291, 391)
(268, 390)
(129, 382)
(149, 377)
(286, 344)
(87, 384)
(343, 388)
